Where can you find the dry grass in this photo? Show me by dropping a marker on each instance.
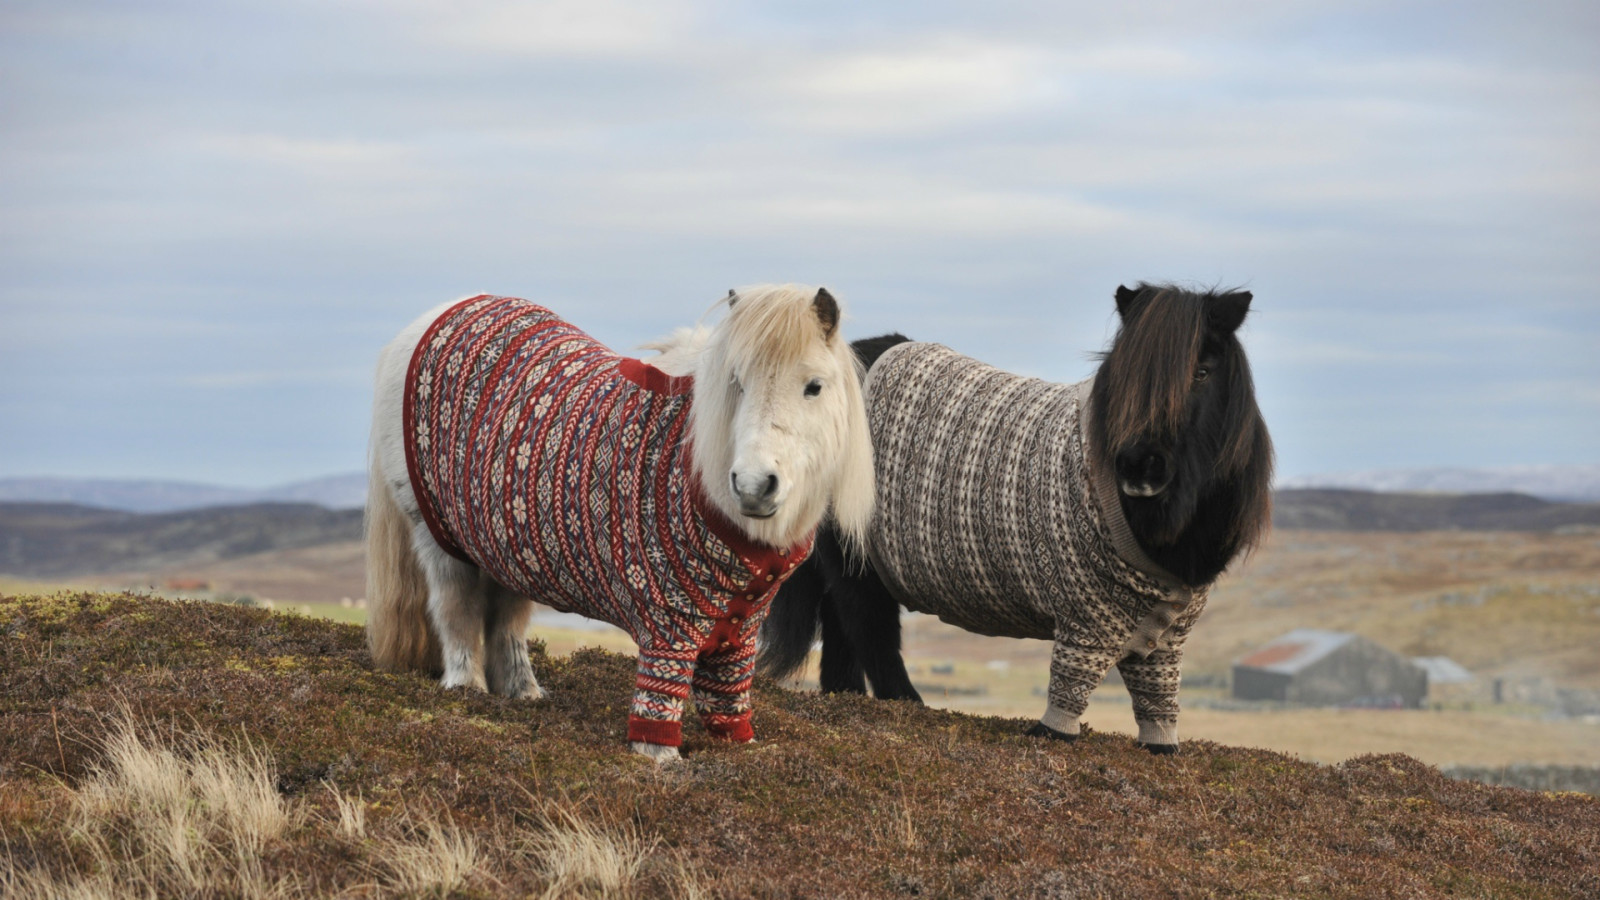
(390, 786)
(352, 813)
(194, 816)
(157, 821)
(437, 859)
(579, 858)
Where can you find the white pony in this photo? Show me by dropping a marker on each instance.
(515, 459)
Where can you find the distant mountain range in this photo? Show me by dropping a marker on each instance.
(1569, 484)
(1565, 484)
(1562, 484)
(348, 491)
(45, 540)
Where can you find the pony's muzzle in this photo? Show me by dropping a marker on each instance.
(1144, 471)
(757, 494)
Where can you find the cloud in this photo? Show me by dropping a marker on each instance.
(562, 29)
(1411, 191)
(936, 83)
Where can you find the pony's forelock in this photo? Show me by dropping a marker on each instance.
(1152, 363)
(770, 327)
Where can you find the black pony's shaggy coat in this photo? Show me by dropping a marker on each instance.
(1173, 405)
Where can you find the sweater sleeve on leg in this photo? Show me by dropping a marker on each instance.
(722, 692)
(1075, 671)
(659, 691)
(1153, 684)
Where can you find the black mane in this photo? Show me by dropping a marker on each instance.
(1147, 395)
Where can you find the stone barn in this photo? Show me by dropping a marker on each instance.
(1329, 668)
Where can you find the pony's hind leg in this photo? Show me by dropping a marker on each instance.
(458, 606)
(862, 619)
(870, 616)
(841, 671)
(505, 652)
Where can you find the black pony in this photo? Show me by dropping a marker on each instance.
(1141, 486)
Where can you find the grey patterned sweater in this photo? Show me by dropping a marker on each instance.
(992, 516)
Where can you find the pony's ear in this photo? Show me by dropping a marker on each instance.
(733, 297)
(1226, 313)
(1125, 298)
(827, 310)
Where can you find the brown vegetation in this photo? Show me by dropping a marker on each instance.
(842, 796)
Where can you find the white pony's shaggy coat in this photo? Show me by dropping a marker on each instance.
(777, 394)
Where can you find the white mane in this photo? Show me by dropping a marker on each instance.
(750, 376)
(679, 351)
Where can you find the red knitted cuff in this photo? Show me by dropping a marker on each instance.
(730, 728)
(655, 731)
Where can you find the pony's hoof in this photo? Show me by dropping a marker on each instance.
(1161, 749)
(657, 753)
(531, 692)
(1040, 729)
(476, 684)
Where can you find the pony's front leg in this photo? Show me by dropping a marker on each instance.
(655, 721)
(457, 606)
(1075, 671)
(722, 692)
(505, 642)
(1153, 684)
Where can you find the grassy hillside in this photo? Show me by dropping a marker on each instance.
(382, 784)
(54, 540)
(46, 540)
(1520, 606)
(1504, 604)
(1331, 509)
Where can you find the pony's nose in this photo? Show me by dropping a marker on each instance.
(756, 494)
(1144, 471)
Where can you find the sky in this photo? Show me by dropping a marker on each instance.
(213, 214)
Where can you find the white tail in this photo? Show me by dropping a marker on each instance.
(397, 592)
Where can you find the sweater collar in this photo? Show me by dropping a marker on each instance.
(761, 559)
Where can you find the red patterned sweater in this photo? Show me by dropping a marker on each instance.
(563, 470)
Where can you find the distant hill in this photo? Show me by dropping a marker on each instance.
(47, 540)
(1572, 484)
(347, 491)
(50, 540)
(1347, 510)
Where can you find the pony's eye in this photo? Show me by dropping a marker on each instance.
(1202, 373)
(813, 387)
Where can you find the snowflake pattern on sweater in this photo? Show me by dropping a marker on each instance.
(992, 516)
(564, 471)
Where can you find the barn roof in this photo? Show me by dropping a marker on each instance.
(1443, 670)
(1296, 650)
